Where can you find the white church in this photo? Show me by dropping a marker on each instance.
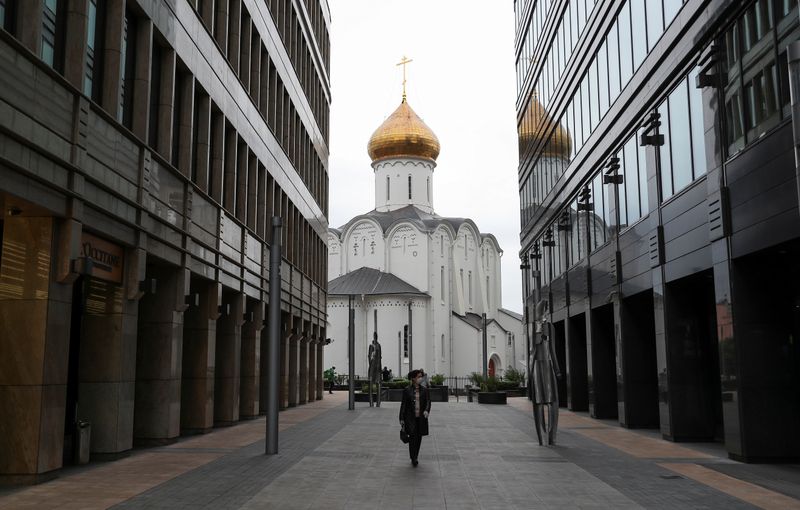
(421, 281)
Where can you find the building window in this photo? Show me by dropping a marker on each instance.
(442, 344)
(428, 187)
(409, 187)
(461, 278)
(755, 70)
(94, 38)
(441, 245)
(508, 339)
(405, 342)
(388, 188)
(7, 15)
(51, 33)
(127, 70)
(441, 281)
(469, 280)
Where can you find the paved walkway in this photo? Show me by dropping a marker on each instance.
(476, 457)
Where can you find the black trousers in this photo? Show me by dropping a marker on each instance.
(414, 442)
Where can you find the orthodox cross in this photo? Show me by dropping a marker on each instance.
(403, 62)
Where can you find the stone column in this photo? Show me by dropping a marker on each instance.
(576, 371)
(320, 365)
(157, 417)
(185, 92)
(107, 368)
(312, 366)
(112, 57)
(166, 103)
(251, 360)
(294, 366)
(302, 387)
(601, 362)
(29, 24)
(75, 42)
(34, 346)
(141, 81)
(227, 383)
(203, 148)
(199, 349)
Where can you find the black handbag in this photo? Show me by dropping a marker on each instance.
(403, 435)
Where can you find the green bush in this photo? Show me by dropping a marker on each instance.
(514, 375)
(489, 384)
(437, 379)
(476, 378)
(507, 385)
(397, 383)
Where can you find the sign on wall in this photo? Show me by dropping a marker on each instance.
(108, 258)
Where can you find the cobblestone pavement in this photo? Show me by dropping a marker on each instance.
(477, 456)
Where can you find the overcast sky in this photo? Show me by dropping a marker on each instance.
(461, 82)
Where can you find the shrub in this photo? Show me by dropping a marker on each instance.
(476, 378)
(489, 384)
(507, 385)
(397, 383)
(437, 379)
(514, 375)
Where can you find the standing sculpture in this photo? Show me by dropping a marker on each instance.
(544, 374)
(374, 358)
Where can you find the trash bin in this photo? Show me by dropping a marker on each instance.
(83, 439)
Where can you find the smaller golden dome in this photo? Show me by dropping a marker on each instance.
(536, 124)
(403, 134)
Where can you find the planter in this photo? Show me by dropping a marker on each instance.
(492, 397)
(364, 397)
(439, 393)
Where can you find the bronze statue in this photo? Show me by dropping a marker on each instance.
(374, 358)
(545, 370)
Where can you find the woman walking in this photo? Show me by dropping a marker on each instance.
(414, 412)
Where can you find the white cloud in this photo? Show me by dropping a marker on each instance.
(461, 82)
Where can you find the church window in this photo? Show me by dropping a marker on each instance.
(428, 187)
(409, 187)
(441, 245)
(388, 187)
(442, 344)
(363, 246)
(405, 342)
(461, 277)
(469, 280)
(465, 246)
(510, 339)
(488, 293)
(441, 281)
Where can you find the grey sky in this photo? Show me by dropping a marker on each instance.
(461, 82)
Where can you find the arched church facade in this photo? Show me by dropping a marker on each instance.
(421, 281)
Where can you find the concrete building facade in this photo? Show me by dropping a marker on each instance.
(144, 147)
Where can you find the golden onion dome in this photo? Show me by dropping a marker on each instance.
(537, 124)
(403, 134)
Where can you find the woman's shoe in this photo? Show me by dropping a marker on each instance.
(414, 462)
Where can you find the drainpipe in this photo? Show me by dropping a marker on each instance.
(793, 53)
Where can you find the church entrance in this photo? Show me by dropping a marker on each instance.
(491, 368)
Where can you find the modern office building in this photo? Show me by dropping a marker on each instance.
(659, 212)
(144, 147)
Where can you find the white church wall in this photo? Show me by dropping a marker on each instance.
(335, 268)
(517, 351)
(365, 246)
(465, 270)
(392, 184)
(466, 348)
(408, 255)
(441, 297)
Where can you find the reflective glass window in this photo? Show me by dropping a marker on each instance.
(625, 45)
(594, 93)
(697, 126)
(602, 79)
(630, 167)
(612, 43)
(665, 166)
(671, 8)
(679, 139)
(655, 23)
(641, 36)
(49, 26)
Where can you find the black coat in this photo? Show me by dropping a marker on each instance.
(407, 410)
